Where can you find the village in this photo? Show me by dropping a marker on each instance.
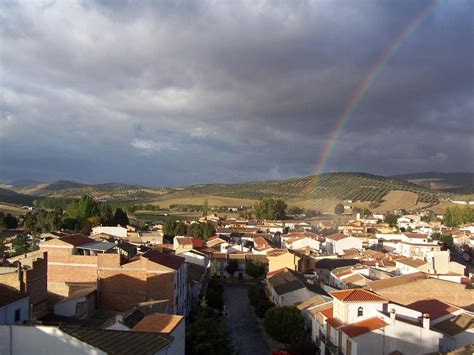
(358, 287)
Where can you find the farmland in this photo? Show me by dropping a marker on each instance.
(321, 192)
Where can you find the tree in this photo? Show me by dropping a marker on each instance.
(255, 269)
(295, 211)
(270, 209)
(120, 217)
(231, 267)
(391, 219)
(10, 221)
(285, 324)
(205, 208)
(339, 209)
(83, 208)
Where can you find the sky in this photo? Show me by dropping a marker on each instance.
(166, 93)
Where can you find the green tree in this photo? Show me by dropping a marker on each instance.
(255, 269)
(120, 217)
(270, 209)
(339, 209)
(205, 208)
(285, 324)
(231, 267)
(391, 219)
(83, 208)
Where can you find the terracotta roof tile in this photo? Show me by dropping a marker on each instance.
(337, 236)
(168, 260)
(433, 307)
(76, 239)
(357, 295)
(355, 329)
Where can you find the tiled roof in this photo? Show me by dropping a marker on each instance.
(198, 243)
(416, 263)
(120, 342)
(77, 239)
(9, 295)
(337, 236)
(168, 260)
(288, 287)
(355, 329)
(357, 295)
(396, 281)
(184, 240)
(329, 314)
(158, 323)
(416, 235)
(433, 307)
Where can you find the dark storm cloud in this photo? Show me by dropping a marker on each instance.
(164, 93)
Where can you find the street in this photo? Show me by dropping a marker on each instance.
(241, 322)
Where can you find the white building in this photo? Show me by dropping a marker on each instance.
(118, 231)
(49, 340)
(14, 308)
(337, 243)
(362, 322)
(417, 245)
(301, 242)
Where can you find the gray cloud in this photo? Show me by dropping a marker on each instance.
(170, 93)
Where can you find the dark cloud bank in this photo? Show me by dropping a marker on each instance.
(168, 93)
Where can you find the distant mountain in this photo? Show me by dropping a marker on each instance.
(46, 188)
(71, 189)
(441, 181)
(24, 182)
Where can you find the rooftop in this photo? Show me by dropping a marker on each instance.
(9, 295)
(158, 323)
(357, 295)
(97, 246)
(433, 307)
(455, 325)
(416, 263)
(168, 260)
(355, 329)
(120, 342)
(77, 239)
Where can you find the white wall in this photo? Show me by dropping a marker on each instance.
(115, 231)
(7, 313)
(41, 340)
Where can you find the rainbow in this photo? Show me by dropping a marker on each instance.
(362, 89)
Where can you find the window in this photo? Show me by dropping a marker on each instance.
(17, 315)
(360, 312)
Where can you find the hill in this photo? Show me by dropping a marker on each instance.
(9, 196)
(320, 192)
(72, 189)
(441, 181)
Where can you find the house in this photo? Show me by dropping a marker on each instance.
(14, 306)
(363, 322)
(182, 244)
(197, 279)
(301, 243)
(337, 243)
(28, 274)
(40, 339)
(80, 304)
(286, 287)
(118, 231)
(409, 266)
(417, 245)
(121, 282)
(164, 324)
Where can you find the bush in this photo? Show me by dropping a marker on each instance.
(285, 324)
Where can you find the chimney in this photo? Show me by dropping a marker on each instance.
(393, 315)
(426, 321)
(357, 216)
